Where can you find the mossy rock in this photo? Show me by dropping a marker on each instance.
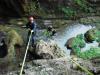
(91, 35)
(69, 43)
(78, 41)
(12, 40)
(75, 44)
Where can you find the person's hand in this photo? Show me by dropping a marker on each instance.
(32, 31)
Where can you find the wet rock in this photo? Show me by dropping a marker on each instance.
(75, 44)
(99, 45)
(69, 43)
(48, 50)
(91, 35)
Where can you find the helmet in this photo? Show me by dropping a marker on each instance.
(31, 18)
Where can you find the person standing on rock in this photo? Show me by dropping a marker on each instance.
(31, 25)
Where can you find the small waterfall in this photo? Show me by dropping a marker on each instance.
(89, 45)
(71, 31)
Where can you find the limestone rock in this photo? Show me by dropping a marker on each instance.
(48, 50)
(11, 43)
(60, 66)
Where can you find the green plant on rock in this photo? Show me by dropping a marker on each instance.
(47, 33)
(79, 42)
(83, 5)
(93, 52)
(98, 36)
(33, 8)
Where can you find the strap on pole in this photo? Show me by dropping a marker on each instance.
(25, 54)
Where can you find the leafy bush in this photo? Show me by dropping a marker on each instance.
(79, 41)
(93, 52)
(69, 11)
(83, 5)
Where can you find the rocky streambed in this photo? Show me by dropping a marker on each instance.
(51, 57)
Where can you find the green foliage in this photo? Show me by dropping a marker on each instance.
(98, 36)
(69, 11)
(47, 33)
(72, 12)
(93, 52)
(79, 43)
(33, 8)
(83, 5)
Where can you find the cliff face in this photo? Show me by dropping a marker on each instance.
(14, 8)
(11, 8)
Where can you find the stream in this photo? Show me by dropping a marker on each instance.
(70, 31)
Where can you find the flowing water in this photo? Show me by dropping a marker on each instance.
(70, 31)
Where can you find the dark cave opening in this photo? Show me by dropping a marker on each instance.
(3, 49)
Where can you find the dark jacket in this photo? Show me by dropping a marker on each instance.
(32, 26)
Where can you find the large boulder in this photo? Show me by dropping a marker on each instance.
(60, 66)
(10, 44)
(91, 35)
(69, 43)
(48, 50)
(75, 44)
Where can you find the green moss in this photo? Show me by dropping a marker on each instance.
(79, 43)
(47, 33)
(33, 7)
(69, 11)
(93, 52)
(92, 35)
(83, 6)
(12, 39)
(98, 36)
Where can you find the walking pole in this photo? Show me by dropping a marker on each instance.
(25, 54)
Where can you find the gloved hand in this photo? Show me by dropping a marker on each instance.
(32, 31)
